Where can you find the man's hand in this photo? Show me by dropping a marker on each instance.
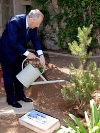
(42, 60)
(31, 56)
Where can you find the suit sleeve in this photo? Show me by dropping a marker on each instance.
(13, 31)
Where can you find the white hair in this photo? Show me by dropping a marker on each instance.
(35, 14)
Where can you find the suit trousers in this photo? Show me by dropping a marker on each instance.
(13, 88)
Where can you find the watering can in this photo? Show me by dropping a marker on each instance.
(29, 74)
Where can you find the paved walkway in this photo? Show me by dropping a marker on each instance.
(7, 109)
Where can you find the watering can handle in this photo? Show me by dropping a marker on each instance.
(26, 59)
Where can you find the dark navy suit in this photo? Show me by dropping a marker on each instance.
(13, 44)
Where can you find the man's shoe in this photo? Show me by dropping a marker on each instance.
(25, 99)
(16, 105)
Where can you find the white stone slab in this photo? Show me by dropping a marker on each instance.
(8, 109)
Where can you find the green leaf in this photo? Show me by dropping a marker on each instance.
(79, 124)
(93, 112)
(88, 122)
(70, 124)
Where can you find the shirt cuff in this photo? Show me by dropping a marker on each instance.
(39, 52)
(26, 53)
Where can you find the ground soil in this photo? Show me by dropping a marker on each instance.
(47, 98)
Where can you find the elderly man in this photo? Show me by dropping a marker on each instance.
(13, 49)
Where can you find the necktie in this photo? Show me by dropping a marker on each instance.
(27, 30)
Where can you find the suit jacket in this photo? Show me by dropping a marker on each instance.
(13, 42)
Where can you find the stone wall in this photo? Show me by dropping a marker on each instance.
(0, 17)
(52, 28)
(50, 38)
(9, 8)
(6, 11)
(19, 7)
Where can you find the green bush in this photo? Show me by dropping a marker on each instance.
(83, 82)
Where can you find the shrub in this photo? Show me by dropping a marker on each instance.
(83, 82)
